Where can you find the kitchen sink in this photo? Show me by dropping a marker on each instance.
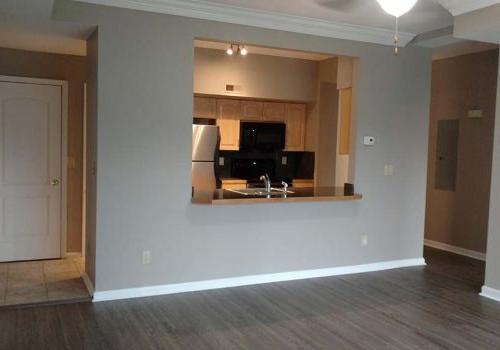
(261, 192)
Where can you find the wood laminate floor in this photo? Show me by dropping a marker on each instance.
(433, 307)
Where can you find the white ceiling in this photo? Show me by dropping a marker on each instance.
(29, 8)
(427, 15)
(459, 7)
(42, 35)
(27, 25)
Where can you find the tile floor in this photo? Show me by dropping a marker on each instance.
(42, 281)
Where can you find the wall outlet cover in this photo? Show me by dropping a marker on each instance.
(389, 170)
(146, 257)
(221, 161)
(284, 160)
(364, 240)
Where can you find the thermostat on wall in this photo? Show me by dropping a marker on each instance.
(369, 141)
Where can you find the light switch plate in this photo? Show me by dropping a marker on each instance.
(369, 141)
(71, 163)
(389, 170)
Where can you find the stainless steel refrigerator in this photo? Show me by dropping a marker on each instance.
(205, 148)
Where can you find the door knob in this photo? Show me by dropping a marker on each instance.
(54, 182)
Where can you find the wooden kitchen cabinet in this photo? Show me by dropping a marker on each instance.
(228, 121)
(251, 110)
(274, 112)
(233, 184)
(345, 121)
(295, 120)
(204, 107)
(303, 183)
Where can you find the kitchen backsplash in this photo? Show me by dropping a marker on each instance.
(292, 165)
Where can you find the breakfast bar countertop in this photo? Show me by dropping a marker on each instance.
(311, 194)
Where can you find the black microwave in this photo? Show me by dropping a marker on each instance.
(262, 136)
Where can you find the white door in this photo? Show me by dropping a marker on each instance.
(30, 171)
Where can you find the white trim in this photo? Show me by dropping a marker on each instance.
(454, 249)
(84, 173)
(490, 293)
(459, 7)
(64, 144)
(88, 283)
(258, 18)
(64, 168)
(26, 80)
(251, 280)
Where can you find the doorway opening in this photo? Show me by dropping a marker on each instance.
(41, 185)
(462, 118)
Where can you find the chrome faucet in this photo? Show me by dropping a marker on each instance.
(285, 186)
(267, 182)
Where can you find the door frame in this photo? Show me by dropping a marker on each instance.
(64, 144)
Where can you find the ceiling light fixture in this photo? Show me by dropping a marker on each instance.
(241, 49)
(397, 8)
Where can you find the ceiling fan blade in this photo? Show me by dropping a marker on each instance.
(342, 5)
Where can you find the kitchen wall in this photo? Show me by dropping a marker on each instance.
(144, 121)
(492, 279)
(321, 124)
(459, 84)
(72, 69)
(258, 76)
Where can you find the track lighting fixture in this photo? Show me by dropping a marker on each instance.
(241, 49)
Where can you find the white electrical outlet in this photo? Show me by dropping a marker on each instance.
(284, 160)
(389, 170)
(364, 240)
(221, 161)
(146, 257)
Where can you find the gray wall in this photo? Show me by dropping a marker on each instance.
(493, 252)
(145, 91)
(459, 84)
(260, 76)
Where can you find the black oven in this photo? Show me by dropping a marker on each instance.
(262, 136)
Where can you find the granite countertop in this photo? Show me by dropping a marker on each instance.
(313, 194)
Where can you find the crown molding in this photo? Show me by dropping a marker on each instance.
(212, 11)
(459, 7)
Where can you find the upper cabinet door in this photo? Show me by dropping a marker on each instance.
(251, 110)
(274, 111)
(295, 127)
(204, 107)
(344, 72)
(345, 121)
(228, 120)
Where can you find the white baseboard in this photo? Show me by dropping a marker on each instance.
(454, 249)
(88, 283)
(490, 293)
(251, 280)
